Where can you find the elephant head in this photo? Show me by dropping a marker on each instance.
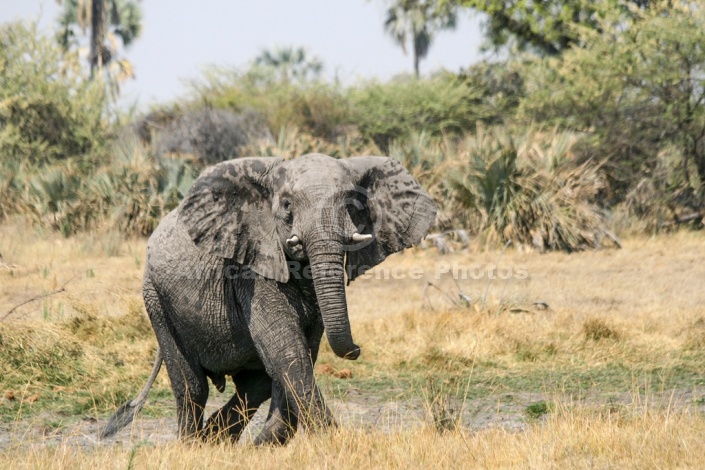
(339, 215)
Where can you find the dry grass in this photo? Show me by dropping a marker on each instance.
(607, 371)
(572, 438)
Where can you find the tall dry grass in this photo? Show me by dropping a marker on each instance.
(572, 438)
(594, 359)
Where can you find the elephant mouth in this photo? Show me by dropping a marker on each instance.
(296, 253)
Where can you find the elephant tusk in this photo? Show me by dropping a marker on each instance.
(293, 241)
(357, 237)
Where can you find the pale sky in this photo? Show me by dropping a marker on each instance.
(180, 37)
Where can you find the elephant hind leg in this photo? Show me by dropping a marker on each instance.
(188, 379)
(190, 386)
(252, 388)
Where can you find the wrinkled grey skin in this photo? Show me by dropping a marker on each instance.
(226, 296)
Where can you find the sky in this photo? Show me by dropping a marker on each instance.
(181, 37)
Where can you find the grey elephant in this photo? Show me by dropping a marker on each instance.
(244, 276)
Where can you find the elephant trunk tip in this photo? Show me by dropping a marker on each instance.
(350, 355)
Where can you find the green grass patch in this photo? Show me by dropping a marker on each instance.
(490, 379)
(537, 409)
(87, 365)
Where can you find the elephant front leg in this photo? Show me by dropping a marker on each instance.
(287, 358)
(281, 422)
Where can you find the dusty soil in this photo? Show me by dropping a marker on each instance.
(354, 411)
(508, 411)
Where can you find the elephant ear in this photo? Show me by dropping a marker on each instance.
(228, 213)
(395, 209)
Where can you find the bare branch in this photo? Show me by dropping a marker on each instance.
(39, 297)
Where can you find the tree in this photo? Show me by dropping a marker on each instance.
(547, 26)
(290, 63)
(48, 111)
(418, 21)
(108, 20)
(638, 89)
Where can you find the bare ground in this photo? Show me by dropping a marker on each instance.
(357, 410)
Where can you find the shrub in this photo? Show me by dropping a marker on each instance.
(379, 112)
(210, 135)
(637, 87)
(12, 176)
(317, 108)
(430, 159)
(500, 86)
(137, 190)
(56, 197)
(389, 111)
(131, 194)
(48, 110)
(529, 191)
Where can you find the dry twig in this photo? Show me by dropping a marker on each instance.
(39, 297)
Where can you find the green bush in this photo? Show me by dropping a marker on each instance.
(377, 112)
(12, 179)
(384, 112)
(130, 194)
(56, 197)
(430, 159)
(315, 107)
(138, 189)
(637, 88)
(500, 86)
(528, 190)
(48, 110)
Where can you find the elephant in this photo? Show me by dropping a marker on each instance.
(246, 274)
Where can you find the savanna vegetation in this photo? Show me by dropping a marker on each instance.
(590, 360)
(586, 131)
(547, 150)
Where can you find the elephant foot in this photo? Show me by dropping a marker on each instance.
(275, 435)
(224, 427)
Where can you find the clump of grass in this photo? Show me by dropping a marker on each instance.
(597, 329)
(442, 405)
(533, 351)
(695, 336)
(537, 410)
(437, 359)
(83, 364)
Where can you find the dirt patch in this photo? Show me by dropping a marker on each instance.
(513, 412)
(354, 411)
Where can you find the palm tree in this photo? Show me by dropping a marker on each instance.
(290, 63)
(418, 21)
(108, 20)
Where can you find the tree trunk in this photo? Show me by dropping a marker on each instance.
(97, 34)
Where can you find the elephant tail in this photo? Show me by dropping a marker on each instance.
(126, 413)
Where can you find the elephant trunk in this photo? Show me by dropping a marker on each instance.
(329, 284)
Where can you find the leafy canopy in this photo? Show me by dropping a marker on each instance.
(548, 26)
(639, 88)
(417, 22)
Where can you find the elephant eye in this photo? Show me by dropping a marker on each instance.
(286, 205)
